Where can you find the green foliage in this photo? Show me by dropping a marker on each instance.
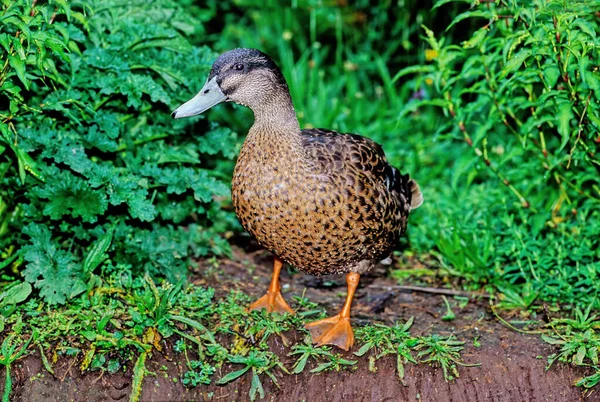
(383, 340)
(199, 373)
(307, 351)
(88, 147)
(443, 351)
(474, 123)
(520, 186)
(258, 362)
(10, 352)
(17, 293)
(114, 330)
(578, 340)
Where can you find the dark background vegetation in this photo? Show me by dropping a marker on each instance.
(492, 106)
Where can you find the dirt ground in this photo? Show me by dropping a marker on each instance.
(512, 365)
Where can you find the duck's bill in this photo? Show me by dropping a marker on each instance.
(209, 96)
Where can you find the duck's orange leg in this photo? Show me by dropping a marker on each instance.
(337, 330)
(273, 300)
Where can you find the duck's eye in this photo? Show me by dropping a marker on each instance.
(238, 67)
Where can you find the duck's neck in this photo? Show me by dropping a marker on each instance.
(276, 131)
(276, 109)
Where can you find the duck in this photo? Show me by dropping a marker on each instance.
(323, 201)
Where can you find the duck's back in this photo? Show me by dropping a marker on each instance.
(346, 210)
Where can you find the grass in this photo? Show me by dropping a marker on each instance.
(578, 340)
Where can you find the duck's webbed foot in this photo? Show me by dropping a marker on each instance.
(337, 330)
(273, 301)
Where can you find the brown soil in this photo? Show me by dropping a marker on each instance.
(512, 364)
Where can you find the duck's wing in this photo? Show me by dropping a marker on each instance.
(360, 161)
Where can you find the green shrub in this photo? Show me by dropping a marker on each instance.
(88, 151)
(522, 95)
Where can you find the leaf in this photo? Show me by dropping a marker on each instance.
(256, 386)
(300, 364)
(133, 86)
(593, 82)
(106, 59)
(5, 41)
(219, 140)
(551, 340)
(196, 325)
(585, 27)
(476, 39)
(57, 47)
(470, 14)
(71, 154)
(580, 355)
(563, 121)
(440, 3)
(140, 207)
(232, 376)
(26, 163)
(15, 294)
(52, 270)
(97, 254)
(515, 62)
(364, 348)
(95, 138)
(413, 70)
(551, 75)
(321, 367)
(71, 195)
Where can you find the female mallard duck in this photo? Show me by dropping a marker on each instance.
(322, 201)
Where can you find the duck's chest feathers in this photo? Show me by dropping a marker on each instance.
(269, 179)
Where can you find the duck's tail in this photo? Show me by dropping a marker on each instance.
(416, 198)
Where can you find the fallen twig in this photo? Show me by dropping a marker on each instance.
(423, 289)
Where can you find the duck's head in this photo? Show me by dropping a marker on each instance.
(245, 76)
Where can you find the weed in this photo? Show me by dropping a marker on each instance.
(385, 340)
(199, 373)
(260, 362)
(11, 352)
(578, 340)
(102, 188)
(307, 351)
(336, 362)
(443, 351)
(449, 316)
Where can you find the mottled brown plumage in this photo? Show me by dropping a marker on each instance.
(336, 206)
(323, 201)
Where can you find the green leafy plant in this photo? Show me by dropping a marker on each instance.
(335, 362)
(260, 362)
(88, 151)
(385, 340)
(518, 104)
(443, 351)
(307, 351)
(199, 373)
(10, 353)
(449, 315)
(578, 340)
(11, 297)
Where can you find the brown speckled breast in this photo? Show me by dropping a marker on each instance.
(323, 201)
